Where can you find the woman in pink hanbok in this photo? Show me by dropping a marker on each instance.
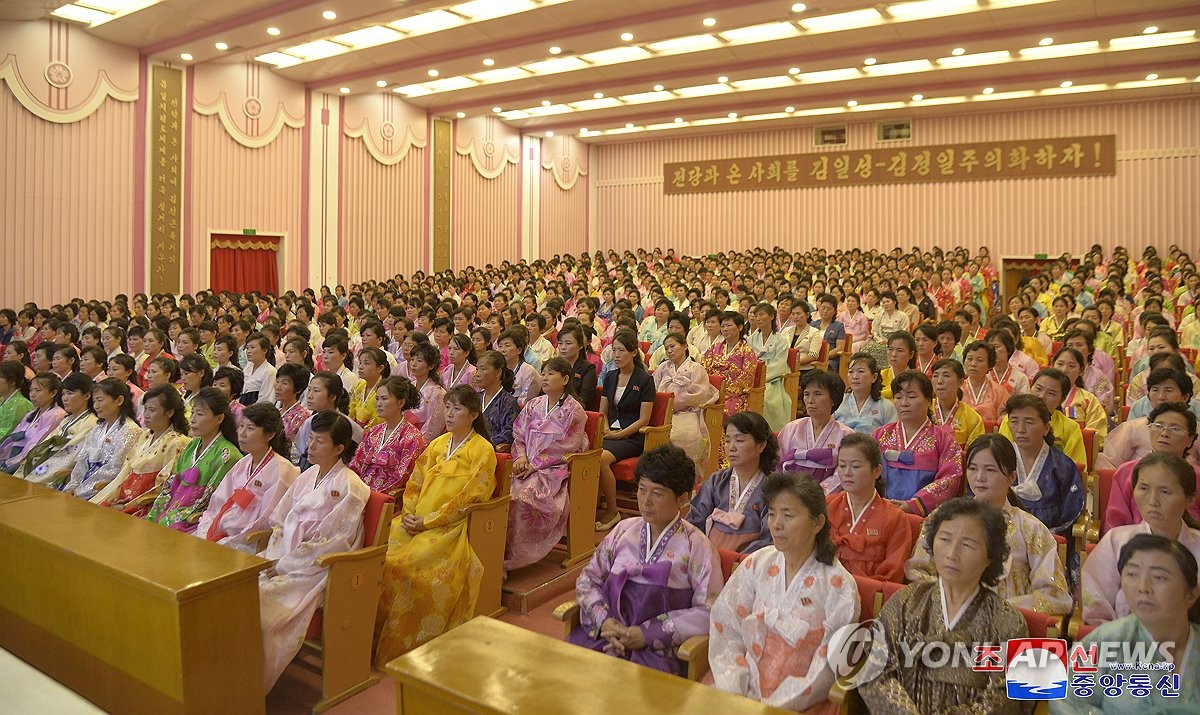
(683, 377)
(733, 360)
(389, 450)
(549, 428)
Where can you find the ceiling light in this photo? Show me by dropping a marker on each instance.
(549, 135)
(1150, 30)
(893, 68)
(722, 79)
(733, 115)
(479, 10)
(504, 74)
(587, 105)
(690, 43)
(782, 80)
(368, 37)
(616, 55)
(626, 37)
(488, 62)
(842, 21)
(925, 9)
(432, 73)
(221, 46)
(81, 14)
(988, 90)
(629, 125)
(1151, 77)
(1159, 40)
(760, 33)
(679, 120)
(278, 59)
(273, 31)
(789, 109)
(828, 75)
(710, 21)
(497, 110)
(852, 103)
(958, 51)
(461, 115)
(1046, 41)
(555, 50)
(703, 90)
(545, 103)
(186, 57)
(344, 90)
(548, 111)
(1065, 84)
(869, 61)
(381, 83)
(413, 90)
(449, 84)
(918, 97)
(598, 95)
(975, 60)
(427, 22)
(799, 7)
(1068, 50)
(329, 15)
(317, 49)
(793, 70)
(583, 130)
(644, 97)
(658, 88)
(554, 66)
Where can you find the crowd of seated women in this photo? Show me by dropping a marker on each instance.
(223, 415)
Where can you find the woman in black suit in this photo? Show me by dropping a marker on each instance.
(626, 403)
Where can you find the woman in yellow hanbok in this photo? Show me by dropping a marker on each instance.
(431, 575)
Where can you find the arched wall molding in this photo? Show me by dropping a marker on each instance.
(387, 126)
(491, 145)
(253, 104)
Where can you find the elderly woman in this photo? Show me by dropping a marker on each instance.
(1164, 485)
(1172, 428)
(773, 622)
(1049, 485)
(1034, 577)
(959, 608)
(653, 579)
(1158, 580)
(809, 445)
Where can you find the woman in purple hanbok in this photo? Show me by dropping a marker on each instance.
(46, 414)
(550, 427)
(652, 581)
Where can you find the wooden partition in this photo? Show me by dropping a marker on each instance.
(488, 666)
(132, 616)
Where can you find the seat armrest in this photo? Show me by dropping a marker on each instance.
(258, 539)
(364, 554)
(694, 652)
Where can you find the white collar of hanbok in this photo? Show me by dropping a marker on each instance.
(1027, 480)
(651, 549)
(952, 622)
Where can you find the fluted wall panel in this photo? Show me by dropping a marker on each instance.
(235, 187)
(485, 223)
(563, 220)
(66, 216)
(383, 214)
(1153, 198)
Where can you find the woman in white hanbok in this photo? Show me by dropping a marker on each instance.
(321, 513)
(682, 376)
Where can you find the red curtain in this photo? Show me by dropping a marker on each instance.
(244, 263)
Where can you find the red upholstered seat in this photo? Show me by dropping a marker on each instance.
(623, 470)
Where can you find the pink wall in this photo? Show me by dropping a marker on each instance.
(563, 219)
(383, 201)
(1152, 198)
(485, 193)
(66, 164)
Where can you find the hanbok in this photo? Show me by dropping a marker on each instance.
(1051, 490)
(259, 384)
(312, 518)
(1014, 380)
(875, 544)
(544, 434)
(431, 580)
(962, 419)
(773, 354)
(813, 454)
(1130, 441)
(362, 405)
(51, 460)
(1083, 405)
(988, 400)
(866, 417)
(1122, 509)
(689, 383)
(299, 455)
(430, 417)
(1067, 436)
(924, 469)
(385, 459)
(197, 472)
(462, 376)
(524, 380)
(737, 366)
(1103, 598)
(146, 469)
(294, 418)
(916, 615)
(770, 638)
(101, 457)
(733, 516)
(1034, 577)
(500, 412)
(245, 499)
(666, 588)
(31, 430)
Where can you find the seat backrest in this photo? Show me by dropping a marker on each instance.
(1084, 629)
(760, 373)
(377, 517)
(1125, 413)
(594, 424)
(1190, 354)
(717, 381)
(596, 399)
(729, 561)
(1055, 346)
(791, 358)
(890, 588)
(868, 589)
(824, 354)
(915, 522)
(1089, 447)
(662, 408)
(1040, 625)
(503, 474)
(1104, 480)
(989, 425)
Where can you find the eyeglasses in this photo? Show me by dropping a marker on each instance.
(1172, 430)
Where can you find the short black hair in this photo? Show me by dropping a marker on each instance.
(669, 466)
(809, 493)
(994, 532)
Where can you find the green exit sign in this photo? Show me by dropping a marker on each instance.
(249, 232)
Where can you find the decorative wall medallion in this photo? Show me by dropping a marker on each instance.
(58, 75)
(388, 130)
(252, 107)
(489, 149)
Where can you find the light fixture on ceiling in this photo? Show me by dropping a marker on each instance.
(799, 7)
(344, 90)
(869, 61)
(626, 37)
(722, 79)
(273, 31)
(488, 62)
(789, 109)
(555, 50)
(733, 115)
(185, 56)
(629, 125)
(461, 115)
(1151, 77)
(793, 70)
(549, 135)
(583, 130)
(958, 51)
(710, 21)
(988, 90)
(852, 103)
(1150, 30)
(432, 73)
(545, 103)
(679, 120)
(381, 83)
(598, 95)
(1066, 83)
(497, 110)
(329, 15)
(1046, 41)
(658, 88)
(221, 46)
(918, 97)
